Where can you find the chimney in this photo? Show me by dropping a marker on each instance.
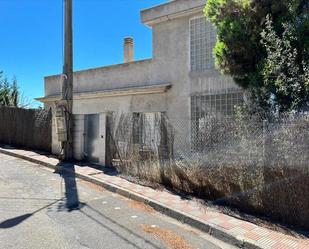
(128, 50)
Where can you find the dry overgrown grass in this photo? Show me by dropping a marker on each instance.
(260, 171)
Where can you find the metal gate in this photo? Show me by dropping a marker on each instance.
(92, 138)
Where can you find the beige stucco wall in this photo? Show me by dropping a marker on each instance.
(170, 64)
(102, 78)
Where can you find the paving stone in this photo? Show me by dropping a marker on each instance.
(242, 230)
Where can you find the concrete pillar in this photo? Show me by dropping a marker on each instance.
(78, 136)
(56, 145)
(102, 158)
(128, 50)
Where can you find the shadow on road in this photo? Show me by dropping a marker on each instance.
(67, 172)
(96, 212)
(14, 221)
(9, 223)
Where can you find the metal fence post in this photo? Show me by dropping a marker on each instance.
(264, 141)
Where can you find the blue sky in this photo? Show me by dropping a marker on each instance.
(31, 37)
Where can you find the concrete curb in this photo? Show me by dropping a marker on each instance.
(211, 229)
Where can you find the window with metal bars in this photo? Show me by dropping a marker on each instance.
(147, 128)
(202, 42)
(206, 109)
(152, 135)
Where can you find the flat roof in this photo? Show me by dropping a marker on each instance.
(171, 10)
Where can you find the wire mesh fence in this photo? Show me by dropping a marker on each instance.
(257, 166)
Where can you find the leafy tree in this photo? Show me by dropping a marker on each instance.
(9, 92)
(284, 76)
(239, 51)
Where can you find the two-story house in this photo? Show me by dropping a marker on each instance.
(180, 81)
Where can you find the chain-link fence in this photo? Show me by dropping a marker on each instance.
(252, 142)
(256, 166)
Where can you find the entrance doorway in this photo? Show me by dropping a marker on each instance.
(94, 147)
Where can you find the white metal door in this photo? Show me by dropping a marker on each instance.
(92, 137)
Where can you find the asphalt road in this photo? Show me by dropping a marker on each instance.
(34, 214)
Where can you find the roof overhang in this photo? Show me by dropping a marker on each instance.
(139, 90)
(171, 10)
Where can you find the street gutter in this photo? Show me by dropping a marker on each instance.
(210, 229)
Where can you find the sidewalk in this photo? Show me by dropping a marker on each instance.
(229, 229)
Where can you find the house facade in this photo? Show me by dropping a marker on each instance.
(180, 81)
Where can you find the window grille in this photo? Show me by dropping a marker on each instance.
(202, 42)
(216, 105)
(152, 135)
(209, 108)
(138, 128)
(147, 128)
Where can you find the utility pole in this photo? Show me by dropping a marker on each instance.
(67, 82)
